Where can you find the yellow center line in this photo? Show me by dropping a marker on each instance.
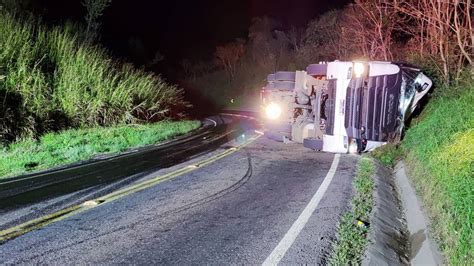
(75, 209)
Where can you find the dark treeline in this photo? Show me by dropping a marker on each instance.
(433, 34)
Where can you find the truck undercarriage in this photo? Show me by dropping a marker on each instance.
(342, 106)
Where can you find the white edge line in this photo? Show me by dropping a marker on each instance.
(236, 115)
(290, 237)
(215, 123)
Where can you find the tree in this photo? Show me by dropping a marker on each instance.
(267, 44)
(14, 5)
(158, 57)
(441, 28)
(375, 22)
(200, 68)
(296, 38)
(323, 40)
(228, 55)
(186, 67)
(95, 9)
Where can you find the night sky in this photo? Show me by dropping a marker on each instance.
(184, 29)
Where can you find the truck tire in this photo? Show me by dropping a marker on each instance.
(281, 85)
(285, 76)
(271, 78)
(317, 69)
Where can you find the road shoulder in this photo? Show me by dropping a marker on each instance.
(399, 227)
(388, 236)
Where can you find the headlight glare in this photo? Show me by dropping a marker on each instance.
(273, 111)
(359, 69)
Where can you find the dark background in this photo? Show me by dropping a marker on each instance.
(182, 29)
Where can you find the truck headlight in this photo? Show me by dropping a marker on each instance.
(359, 69)
(273, 111)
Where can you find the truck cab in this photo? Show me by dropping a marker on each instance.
(342, 106)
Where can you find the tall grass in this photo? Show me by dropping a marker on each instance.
(440, 153)
(50, 78)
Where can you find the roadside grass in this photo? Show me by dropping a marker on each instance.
(352, 230)
(388, 154)
(440, 157)
(439, 152)
(69, 146)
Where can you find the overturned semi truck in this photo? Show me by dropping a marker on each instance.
(342, 106)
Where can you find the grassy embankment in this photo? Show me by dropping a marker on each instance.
(438, 149)
(74, 145)
(54, 79)
(352, 230)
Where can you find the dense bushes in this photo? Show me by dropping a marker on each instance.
(51, 79)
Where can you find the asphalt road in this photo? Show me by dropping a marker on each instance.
(235, 210)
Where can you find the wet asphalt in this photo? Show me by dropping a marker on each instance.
(233, 211)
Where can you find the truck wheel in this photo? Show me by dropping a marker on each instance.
(285, 76)
(281, 85)
(271, 78)
(317, 69)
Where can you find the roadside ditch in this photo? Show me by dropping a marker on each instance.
(387, 224)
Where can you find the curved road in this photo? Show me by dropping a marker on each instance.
(236, 210)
